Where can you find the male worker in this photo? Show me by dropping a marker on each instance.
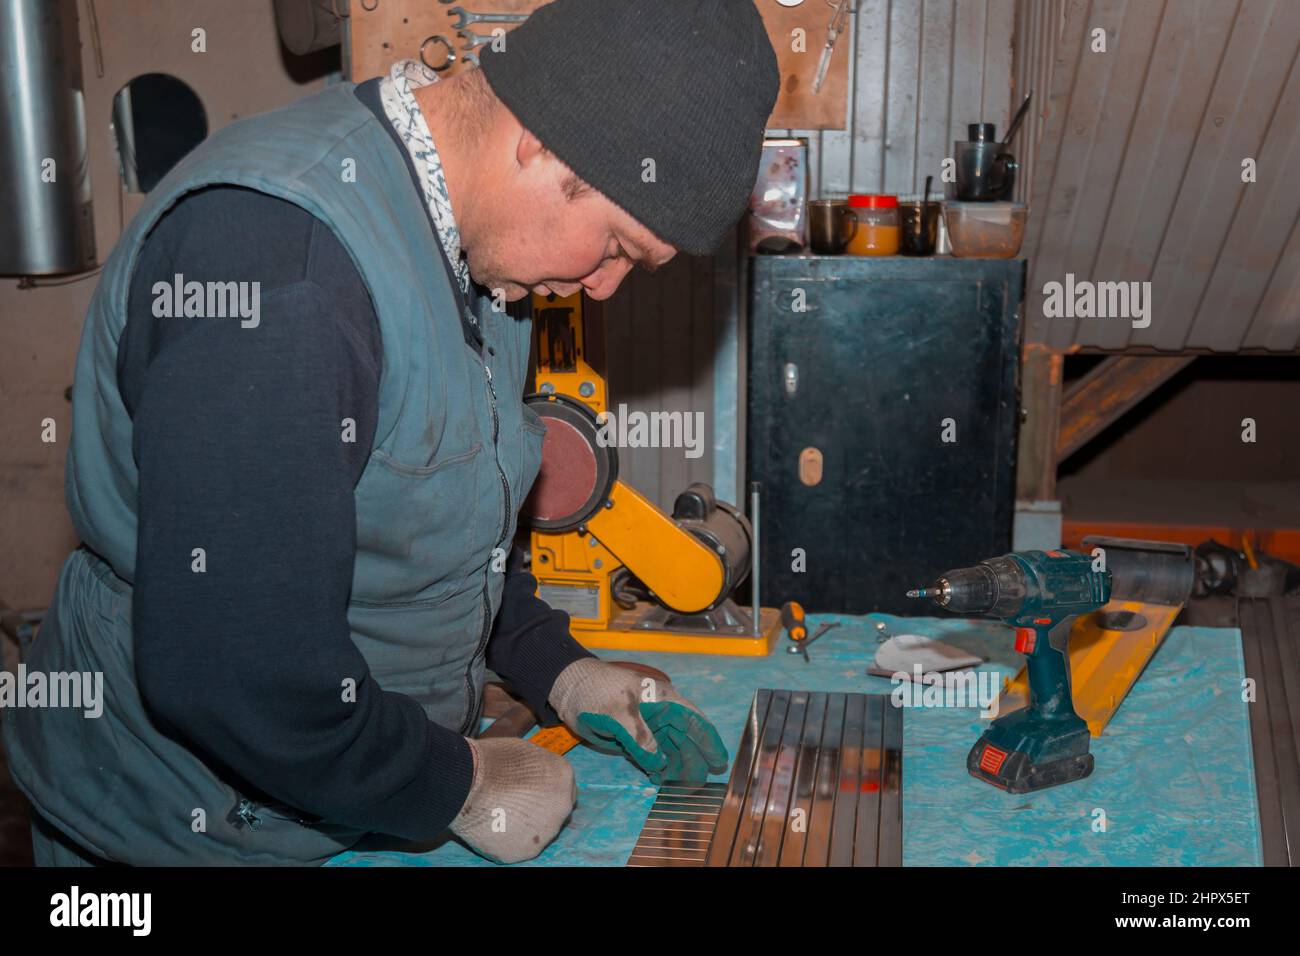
(290, 515)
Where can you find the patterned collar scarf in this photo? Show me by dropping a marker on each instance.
(397, 92)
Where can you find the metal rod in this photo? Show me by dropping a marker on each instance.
(753, 558)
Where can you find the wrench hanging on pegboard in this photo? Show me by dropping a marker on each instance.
(447, 36)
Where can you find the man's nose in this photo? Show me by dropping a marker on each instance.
(604, 282)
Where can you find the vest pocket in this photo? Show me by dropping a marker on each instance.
(422, 530)
(424, 471)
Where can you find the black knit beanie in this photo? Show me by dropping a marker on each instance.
(606, 85)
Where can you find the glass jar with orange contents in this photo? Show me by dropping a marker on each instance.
(877, 233)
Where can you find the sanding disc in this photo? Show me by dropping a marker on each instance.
(576, 472)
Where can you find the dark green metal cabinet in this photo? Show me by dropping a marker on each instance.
(900, 376)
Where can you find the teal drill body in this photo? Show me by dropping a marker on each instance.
(1039, 593)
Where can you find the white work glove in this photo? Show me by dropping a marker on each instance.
(660, 730)
(519, 800)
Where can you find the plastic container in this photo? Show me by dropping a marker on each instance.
(877, 233)
(778, 206)
(985, 230)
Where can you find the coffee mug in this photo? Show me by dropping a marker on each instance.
(985, 171)
(918, 227)
(832, 226)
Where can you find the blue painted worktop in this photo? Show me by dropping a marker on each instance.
(1174, 775)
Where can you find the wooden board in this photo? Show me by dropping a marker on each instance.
(1138, 174)
(797, 106)
(388, 30)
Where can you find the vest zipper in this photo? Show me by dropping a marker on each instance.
(243, 813)
(505, 528)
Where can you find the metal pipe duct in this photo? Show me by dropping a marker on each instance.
(46, 222)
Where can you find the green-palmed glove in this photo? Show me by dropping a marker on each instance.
(660, 730)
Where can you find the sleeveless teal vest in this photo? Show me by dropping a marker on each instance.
(455, 452)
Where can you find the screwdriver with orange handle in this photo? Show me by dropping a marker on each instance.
(792, 619)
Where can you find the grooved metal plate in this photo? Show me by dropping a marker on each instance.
(680, 824)
(1270, 643)
(817, 781)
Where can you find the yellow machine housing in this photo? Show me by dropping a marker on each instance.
(687, 561)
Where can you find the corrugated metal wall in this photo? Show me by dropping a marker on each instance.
(1039, 24)
(660, 349)
(1139, 174)
(921, 70)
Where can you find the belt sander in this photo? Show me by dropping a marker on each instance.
(630, 576)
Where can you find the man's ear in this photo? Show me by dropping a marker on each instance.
(529, 149)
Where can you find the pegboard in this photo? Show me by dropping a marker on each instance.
(797, 55)
(388, 30)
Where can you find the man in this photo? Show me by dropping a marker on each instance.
(294, 510)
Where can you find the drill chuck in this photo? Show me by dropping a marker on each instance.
(990, 586)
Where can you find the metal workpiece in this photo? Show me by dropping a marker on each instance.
(817, 782)
(679, 827)
(1270, 644)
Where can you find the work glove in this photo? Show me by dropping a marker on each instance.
(519, 800)
(660, 730)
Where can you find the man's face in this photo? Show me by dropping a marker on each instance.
(542, 241)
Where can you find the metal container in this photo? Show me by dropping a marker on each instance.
(920, 340)
(46, 223)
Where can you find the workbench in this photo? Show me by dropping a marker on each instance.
(1174, 774)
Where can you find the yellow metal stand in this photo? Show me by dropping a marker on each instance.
(1104, 664)
(622, 635)
(574, 568)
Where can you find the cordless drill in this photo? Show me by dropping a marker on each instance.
(1040, 594)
